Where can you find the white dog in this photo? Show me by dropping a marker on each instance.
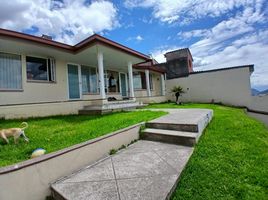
(15, 132)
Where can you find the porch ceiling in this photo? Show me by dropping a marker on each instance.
(113, 58)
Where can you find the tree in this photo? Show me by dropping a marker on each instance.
(177, 90)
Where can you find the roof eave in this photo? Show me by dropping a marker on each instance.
(90, 41)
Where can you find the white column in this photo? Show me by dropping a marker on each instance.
(163, 85)
(130, 80)
(148, 82)
(101, 75)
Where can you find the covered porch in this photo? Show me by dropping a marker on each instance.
(113, 79)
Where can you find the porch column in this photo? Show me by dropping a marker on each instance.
(101, 75)
(130, 79)
(163, 85)
(148, 82)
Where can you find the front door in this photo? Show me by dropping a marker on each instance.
(74, 81)
(123, 84)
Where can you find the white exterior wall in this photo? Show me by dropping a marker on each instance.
(259, 103)
(34, 92)
(230, 86)
(155, 92)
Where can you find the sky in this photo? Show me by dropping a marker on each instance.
(219, 33)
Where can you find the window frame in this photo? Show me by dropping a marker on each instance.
(140, 76)
(51, 70)
(21, 70)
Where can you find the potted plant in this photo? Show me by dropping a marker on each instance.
(177, 90)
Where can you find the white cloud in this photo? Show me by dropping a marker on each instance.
(69, 21)
(232, 42)
(138, 38)
(184, 11)
(250, 48)
(158, 54)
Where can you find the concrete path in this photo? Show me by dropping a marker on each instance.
(145, 170)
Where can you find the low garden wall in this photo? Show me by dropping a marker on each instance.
(152, 99)
(31, 179)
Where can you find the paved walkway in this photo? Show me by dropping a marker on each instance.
(145, 170)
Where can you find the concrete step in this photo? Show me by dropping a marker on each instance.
(109, 107)
(112, 105)
(174, 127)
(170, 136)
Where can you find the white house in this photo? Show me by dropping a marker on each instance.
(40, 77)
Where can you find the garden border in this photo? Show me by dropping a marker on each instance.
(34, 176)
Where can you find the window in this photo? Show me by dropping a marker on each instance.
(89, 80)
(40, 69)
(10, 71)
(139, 80)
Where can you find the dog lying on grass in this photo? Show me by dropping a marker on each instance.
(15, 132)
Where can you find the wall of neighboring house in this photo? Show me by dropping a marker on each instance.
(230, 86)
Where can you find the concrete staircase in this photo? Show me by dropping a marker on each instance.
(108, 107)
(174, 130)
(145, 170)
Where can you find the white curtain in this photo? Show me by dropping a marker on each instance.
(10, 71)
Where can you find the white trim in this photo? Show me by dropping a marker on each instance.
(147, 77)
(163, 85)
(130, 80)
(101, 75)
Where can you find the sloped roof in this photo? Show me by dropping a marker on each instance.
(90, 41)
(149, 65)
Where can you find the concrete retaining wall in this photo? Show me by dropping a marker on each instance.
(42, 109)
(30, 180)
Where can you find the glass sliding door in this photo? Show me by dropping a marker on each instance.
(89, 80)
(123, 84)
(74, 81)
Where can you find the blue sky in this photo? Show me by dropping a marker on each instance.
(219, 33)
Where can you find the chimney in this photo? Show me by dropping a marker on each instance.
(48, 37)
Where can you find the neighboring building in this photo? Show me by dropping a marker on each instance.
(40, 77)
(179, 63)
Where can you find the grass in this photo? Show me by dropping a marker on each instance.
(55, 133)
(231, 159)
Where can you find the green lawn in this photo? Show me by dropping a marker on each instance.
(54, 133)
(231, 159)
